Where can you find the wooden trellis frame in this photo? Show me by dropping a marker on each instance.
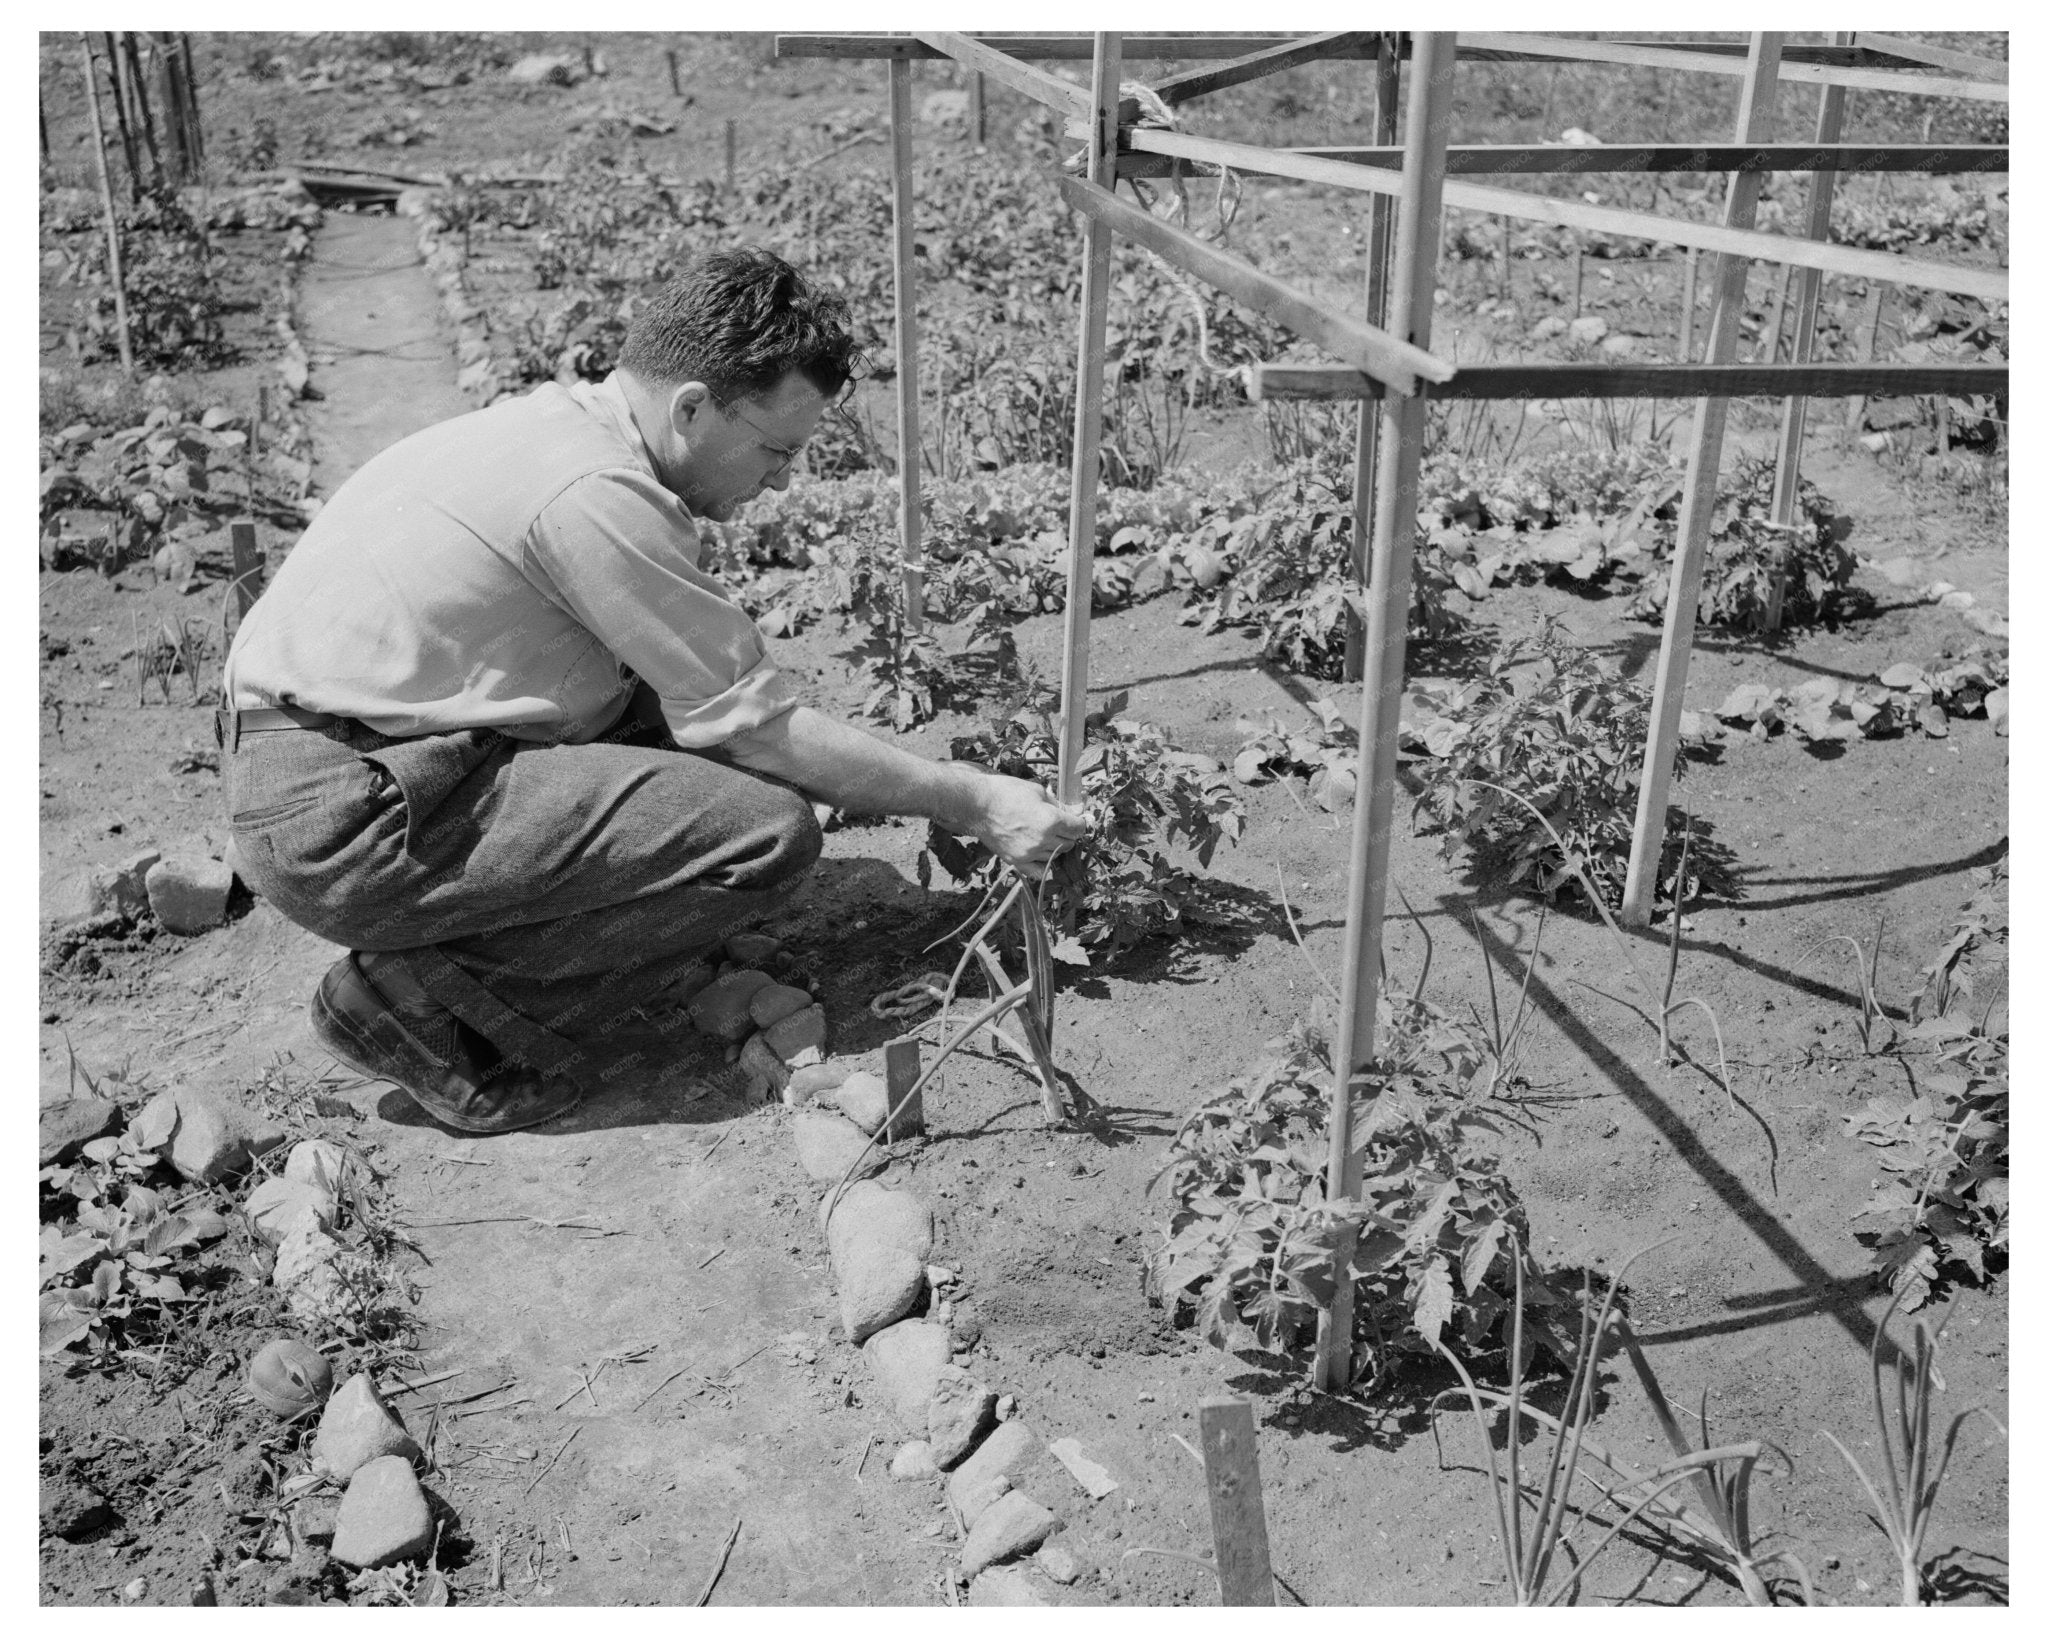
(1388, 360)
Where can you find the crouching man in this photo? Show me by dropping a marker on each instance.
(495, 730)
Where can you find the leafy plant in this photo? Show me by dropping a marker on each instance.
(1123, 882)
(1561, 727)
(174, 302)
(1254, 1249)
(1913, 1468)
(1903, 697)
(1326, 753)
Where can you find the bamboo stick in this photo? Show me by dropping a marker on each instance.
(909, 475)
(1956, 62)
(138, 97)
(99, 154)
(1329, 383)
(1703, 461)
(1366, 450)
(1646, 158)
(1410, 310)
(1806, 316)
(189, 79)
(1983, 283)
(1102, 140)
(128, 148)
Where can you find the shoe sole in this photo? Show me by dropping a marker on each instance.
(334, 1033)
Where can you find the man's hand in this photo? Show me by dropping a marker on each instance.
(1022, 825)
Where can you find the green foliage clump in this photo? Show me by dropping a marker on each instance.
(174, 299)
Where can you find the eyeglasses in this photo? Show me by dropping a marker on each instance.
(788, 456)
(858, 367)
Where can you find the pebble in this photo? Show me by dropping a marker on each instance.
(1589, 330)
(1002, 1589)
(358, 1427)
(189, 895)
(874, 1214)
(1006, 1407)
(1621, 346)
(289, 1377)
(799, 1033)
(913, 1461)
(62, 1129)
(908, 1360)
(1011, 1524)
(384, 1517)
(767, 1075)
(826, 1146)
(86, 896)
(1088, 1473)
(812, 1081)
(204, 1140)
(318, 1162)
(959, 1412)
(70, 1507)
(751, 949)
(131, 882)
(772, 1003)
(280, 1206)
(1003, 1454)
(1543, 329)
(1058, 1564)
(720, 1009)
(863, 1098)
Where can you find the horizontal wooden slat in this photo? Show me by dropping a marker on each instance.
(1365, 347)
(1336, 382)
(1986, 284)
(1035, 83)
(1038, 47)
(1550, 158)
(1199, 82)
(1481, 47)
(1956, 62)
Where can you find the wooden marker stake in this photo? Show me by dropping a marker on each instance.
(248, 568)
(675, 72)
(901, 1062)
(99, 154)
(977, 108)
(1237, 1505)
(1692, 301)
(732, 152)
(909, 441)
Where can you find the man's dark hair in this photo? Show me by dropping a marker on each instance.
(739, 321)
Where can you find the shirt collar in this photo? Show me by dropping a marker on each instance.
(606, 400)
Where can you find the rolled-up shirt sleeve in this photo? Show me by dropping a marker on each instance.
(619, 552)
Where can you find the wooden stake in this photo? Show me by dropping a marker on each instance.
(99, 154)
(732, 147)
(1507, 273)
(909, 446)
(1366, 451)
(1774, 326)
(248, 568)
(1578, 279)
(1237, 1503)
(675, 72)
(901, 1064)
(128, 149)
(1703, 462)
(1806, 315)
(173, 101)
(1386, 645)
(1692, 302)
(1873, 317)
(190, 80)
(1088, 418)
(977, 108)
(138, 101)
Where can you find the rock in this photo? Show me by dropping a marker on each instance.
(131, 882)
(1900, 571)
(1088, 1473)
(289, 1378)
(62, 1129)
(908, 1360)
(205, 1141)
(1544, 329)
(1003, 1589)
(539, 68)
(1006, 1407)
(1003, 1455)
(358, 1427)
(231, 856)
(319, 1275)
(1058, 1564)
(872, 1214)
(1621, 346)
(1988, 621)
(914, 1461)
(280, 1206)
(314, 1518)
(1011, 1524)
(800, 1032)
(319, 1163)
(1957, 600)
(71, 1508)
(751, 949)
(189, 895)
(384, 1517)
(772, 1003)
(83, 897)
(1588, 330)
(966, 1333)
(720, 1009)
(863, 1098)
(766, 1074)
(877, 1288)
(827, 1146)
(960, 1410)
(812, 1080)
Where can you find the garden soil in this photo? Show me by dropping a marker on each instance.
(645, 1283)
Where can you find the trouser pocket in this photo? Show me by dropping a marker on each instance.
(428, 770)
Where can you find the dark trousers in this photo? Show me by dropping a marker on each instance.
(541, 893)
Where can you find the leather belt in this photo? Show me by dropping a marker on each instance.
(230, 726)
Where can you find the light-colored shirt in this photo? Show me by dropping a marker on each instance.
(515, 568)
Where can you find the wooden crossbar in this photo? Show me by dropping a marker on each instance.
(1986, 284)
(1636, 158)
(1363, 346)
(1199, 82)
(1000, 66)
(1549, 48)
(1337, 382)
(1042, 47)
(1956, 62)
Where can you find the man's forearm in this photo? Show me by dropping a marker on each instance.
(834, 762)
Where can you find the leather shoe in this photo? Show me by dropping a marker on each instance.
(373, 1017)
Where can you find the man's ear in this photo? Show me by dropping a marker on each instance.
(688, 403)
